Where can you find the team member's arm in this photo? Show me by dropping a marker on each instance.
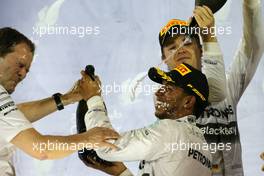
(55, 147)
(250, 50)
(212, 60)
(140, 144)
(38, 109)
(116, 168)
(214, 68)
(15, 128)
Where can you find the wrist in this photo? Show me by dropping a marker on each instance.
(70, 98)
(209, 34)
(57, 100)
(211, 48)
(80, 140)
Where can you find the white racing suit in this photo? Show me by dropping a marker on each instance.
(165, 148)
(219, 121)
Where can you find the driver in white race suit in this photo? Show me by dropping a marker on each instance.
(219, 121)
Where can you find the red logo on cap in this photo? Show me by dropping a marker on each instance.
(182, 69)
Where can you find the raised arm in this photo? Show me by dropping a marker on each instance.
(249, 52)
(212, 60)
(35, 110)
(214, 68)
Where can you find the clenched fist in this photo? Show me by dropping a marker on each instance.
(206, 22)
(85, 88)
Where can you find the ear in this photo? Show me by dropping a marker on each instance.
(189, 102)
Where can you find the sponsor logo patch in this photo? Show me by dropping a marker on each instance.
(182, 69)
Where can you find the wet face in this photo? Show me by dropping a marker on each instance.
(14, 66)
(190, 53)
(169, 101)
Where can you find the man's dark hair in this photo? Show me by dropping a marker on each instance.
(198, 110)
(9, 38)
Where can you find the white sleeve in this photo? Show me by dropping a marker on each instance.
(214, 68)
(249, 52)
(96, 116)
(140, 144)
(147, 143)
(12, 121)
